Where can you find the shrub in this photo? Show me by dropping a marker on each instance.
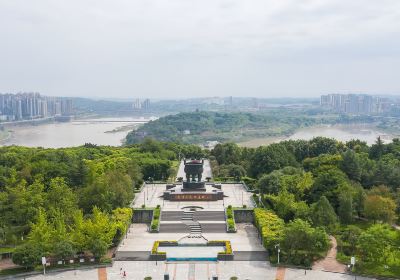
(231, 224)
(230, 219)
(156, 219)
(270, 226)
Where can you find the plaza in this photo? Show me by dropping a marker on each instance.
(194, 261)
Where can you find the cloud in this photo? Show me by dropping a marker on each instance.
(160, 48)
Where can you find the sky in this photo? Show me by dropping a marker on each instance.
(199, 48)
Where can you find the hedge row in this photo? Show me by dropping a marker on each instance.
(155, 222)
(270, 226)
(230, 220)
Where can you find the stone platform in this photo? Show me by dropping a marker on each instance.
(180, 193)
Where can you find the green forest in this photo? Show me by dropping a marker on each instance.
(63, 202)
(307, 190)
(68, 201)
(198, 127)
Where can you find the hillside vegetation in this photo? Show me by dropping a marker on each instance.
(198, 127)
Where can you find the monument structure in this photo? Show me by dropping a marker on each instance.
(193, 187)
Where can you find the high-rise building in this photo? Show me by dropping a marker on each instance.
(353, 103)
(27, 106)
(136, 105)
(66, 107)
(146, 104)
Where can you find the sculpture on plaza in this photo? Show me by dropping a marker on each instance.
(193, 170)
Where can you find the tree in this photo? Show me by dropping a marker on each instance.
(326, 183)
(283, 204)
(376, 243)
(41, 233)
(345, 210)
(60, 199)
(27, 255)
(98, 247)
(351, 235)
(350, 165)
(379, 208)
(300, 237)
(269, 158)
(77, 234)
(64, 249)
(322, 145)
(270, 183)
(227, 153)
(378, 149)
(100, 231)
(322, 214)
(231, 170)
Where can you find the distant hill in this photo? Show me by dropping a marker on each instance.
(197, 127)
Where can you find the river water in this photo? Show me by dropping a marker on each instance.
(342, 133)
(104, 131)
(112, 131)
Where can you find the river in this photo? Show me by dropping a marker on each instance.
(102, 131)
(112, 131)
(342, 133)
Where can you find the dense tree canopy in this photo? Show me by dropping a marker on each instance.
(58, 202)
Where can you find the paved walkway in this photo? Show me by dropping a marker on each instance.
(280, 273)
(139, 239)
(7, 263)
(254, 270)
(329, 263)
(102, 273)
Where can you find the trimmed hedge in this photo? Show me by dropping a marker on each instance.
(270, 226)
(155, 222)
(230, 219)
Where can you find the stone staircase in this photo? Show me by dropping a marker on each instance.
(188, 220)
(192, 221)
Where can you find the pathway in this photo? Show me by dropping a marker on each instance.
(6, 264)
(329, 263)
(280, 273)
(102, 273)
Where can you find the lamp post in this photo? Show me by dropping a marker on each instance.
(44, 265)
(278, 249)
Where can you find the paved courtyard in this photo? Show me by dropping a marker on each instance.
(138, 239)
(151, 195)
(137, 270)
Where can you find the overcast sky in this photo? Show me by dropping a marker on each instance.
(184, 48)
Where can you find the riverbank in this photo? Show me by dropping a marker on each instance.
(5, 134)
(99, 131)
(344, 133)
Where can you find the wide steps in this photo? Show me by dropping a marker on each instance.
(183, 228)
(197, 216)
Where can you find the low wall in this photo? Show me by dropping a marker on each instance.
(244, 216)
(250, 255)
(142, 216)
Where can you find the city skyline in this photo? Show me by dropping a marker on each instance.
(33, 105)
(265, 49)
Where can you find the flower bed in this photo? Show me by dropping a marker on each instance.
(227, 254)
